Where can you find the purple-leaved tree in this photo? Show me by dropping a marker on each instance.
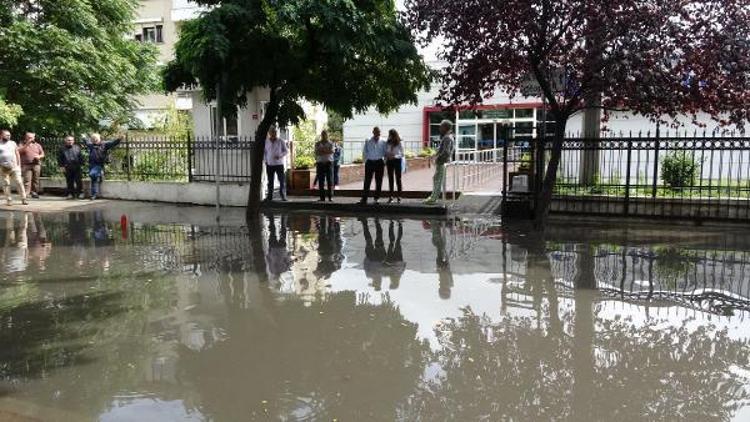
(658, 58)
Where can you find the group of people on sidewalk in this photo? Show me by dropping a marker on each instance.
(23, 165)
(379, 155)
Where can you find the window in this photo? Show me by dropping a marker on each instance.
(525, 113)
(152, 34)
(498, 114)
(435, 118)
(230, 129)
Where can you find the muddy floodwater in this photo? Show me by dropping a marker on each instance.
(130, 316)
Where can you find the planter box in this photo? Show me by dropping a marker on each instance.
(301, 179)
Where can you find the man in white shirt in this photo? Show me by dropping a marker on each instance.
(10, 167)
(274, 155)
(373, 155)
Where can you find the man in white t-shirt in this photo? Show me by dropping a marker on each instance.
(10, 167)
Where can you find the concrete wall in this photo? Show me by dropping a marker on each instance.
(232, 195)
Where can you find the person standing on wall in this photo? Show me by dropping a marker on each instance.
(98, 158)
(394, 154)
(274, 155)
(373, 154)
(32, 155)
(10, 168)
(70, 161)
(324, 150)
(444, 154)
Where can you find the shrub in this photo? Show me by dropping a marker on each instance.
(678, 170)
(427, 152)
(410, 155)
(358, 160)
(525, 163)
(303, 162)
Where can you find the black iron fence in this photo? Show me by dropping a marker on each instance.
(159, 158)
(666, 175)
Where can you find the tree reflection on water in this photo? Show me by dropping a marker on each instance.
(288, 318)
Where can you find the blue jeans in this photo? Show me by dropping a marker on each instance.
(96, 173)
(271, 173)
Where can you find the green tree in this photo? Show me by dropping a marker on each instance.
(336, 126)
(70, 64)
(9, 113)
(343, 56)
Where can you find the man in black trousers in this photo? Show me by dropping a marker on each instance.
(70, 161)
(374, 156)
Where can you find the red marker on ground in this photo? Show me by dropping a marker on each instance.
(124, 226)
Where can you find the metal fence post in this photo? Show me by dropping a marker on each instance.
(505, 171)
(656, 164)
(626, 209)
(128, 160)
(189, 158)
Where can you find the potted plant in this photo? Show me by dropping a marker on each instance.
(302, 173)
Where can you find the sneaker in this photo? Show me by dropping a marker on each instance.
(69, 197)
(284, 199)
(390, 200)
(93, 197)
(398, 200)
(34, 195)
(330, 199)
(377, 200)
(24, 202)
(429, 201)
(81, 196)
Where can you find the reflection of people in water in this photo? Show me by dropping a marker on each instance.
(445, 276)
(278, 259)
(394, 257)
(101, 231)
(40, 247)
(374, 253)
(330, 245)
(16, 247)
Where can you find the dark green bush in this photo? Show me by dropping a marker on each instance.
(678, 170)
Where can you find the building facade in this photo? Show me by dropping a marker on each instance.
(498, 119)
(158, 22)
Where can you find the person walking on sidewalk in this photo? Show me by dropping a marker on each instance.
(373, 154)
(324, 150)
(98, 158)
(274, 154)
(70, 161)
(394, 154)
(10, 168)
(32, 155)
(444, 155)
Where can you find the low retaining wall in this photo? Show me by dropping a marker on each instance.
(680, 208)
(232, 195)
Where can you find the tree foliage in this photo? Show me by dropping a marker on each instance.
(655, 57)
(347, 56)
(70, 64)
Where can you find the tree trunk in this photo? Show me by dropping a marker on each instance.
(256, 156)
(550, 178)
(592, 118)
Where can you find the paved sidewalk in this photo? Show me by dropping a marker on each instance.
(47, 203)
(421, 180)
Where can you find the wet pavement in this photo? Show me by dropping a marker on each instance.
(122, 314)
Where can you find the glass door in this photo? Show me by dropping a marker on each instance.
(467, 137)
(486, 136)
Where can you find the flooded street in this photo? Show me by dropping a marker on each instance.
(300, 317)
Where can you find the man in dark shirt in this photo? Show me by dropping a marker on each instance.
(70, 160)
(98, 157)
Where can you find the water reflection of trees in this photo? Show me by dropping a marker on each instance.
(339, 358)
(517, 370)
